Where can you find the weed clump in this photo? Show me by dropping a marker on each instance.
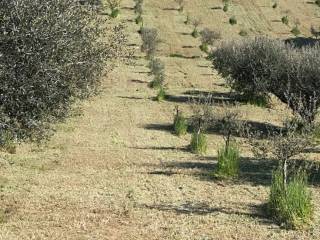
(285, 20)
(161, 94)
(290, 205)
(198, 143)
(228, 162)
(180, 123)
(196, 23)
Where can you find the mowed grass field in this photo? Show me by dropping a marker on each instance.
(114, 170)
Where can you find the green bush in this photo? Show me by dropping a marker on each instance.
(195, 33)
(139, 19)
(233, 20)
(180, 124)
(204, 48)
(225, 7)
(317, 2)
(198, 143)
(114, 5)
(51, 54)
(255, 67)
(228, 162)
(292, 206)
(285, 20)
(161, 94)
(114, 13)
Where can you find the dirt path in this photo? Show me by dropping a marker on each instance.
(117, 172)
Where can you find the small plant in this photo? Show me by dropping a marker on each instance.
(156, 66)
(226, 4)
(233, 20)
(198, 143)
(228, 162)
(259, 101)
(243, 33)
(275, 5)
(188, 19)
(161, 94)
(180, 123)
(181, 4)
(195, 33)
(208, 37)
(114, 5)
(296, 31)
(139, 20)
(158, 81)
(150, 41)
(292, 205)
(317, 2)
(285, 20)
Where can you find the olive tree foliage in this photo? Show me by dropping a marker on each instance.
(261, 66)
(52, 52)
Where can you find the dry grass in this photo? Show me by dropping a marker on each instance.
(117, 171)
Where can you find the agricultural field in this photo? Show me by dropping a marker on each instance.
(143, 158)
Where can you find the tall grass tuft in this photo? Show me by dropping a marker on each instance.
(228, 162)
(180, 124)
(199, 143)
(292, 206)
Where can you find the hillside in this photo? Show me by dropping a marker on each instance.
(114, 170)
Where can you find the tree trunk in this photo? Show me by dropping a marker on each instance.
(285, 174)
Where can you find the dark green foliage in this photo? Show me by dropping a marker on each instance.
(50, 55)
(317, 2)
(198, 143)
(114, 13)
(228, 162)
(285, 20)
(290, 206)
(180, 124)
(275, 5)
(139, 19)
(233, 20)
(195, 33)
(256, 67)
(204, 48)
(225, 7)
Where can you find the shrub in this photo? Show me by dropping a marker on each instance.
(139, 20)
(208, 37)
(150, 41)
(295, 30)
(161, 94)
(138, 7)
(317, 2)
(156, 66)
(114, 5)
(198, 143)
(228, 162)
(195, 32)
(274, 5)
(233, 20)
(255, 67)
(225, 7)
(291, 206)
(180, 124)
(51, 53)
(158, 81)
(285, 20)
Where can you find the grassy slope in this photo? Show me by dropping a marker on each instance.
(116, 171)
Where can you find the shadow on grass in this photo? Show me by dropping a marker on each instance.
(204, 208)
(255, 172)
(170, 9)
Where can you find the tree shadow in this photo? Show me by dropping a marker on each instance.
(204, 208)
(131, 97)
(170, 9)
(188, 46)
(216, 8)
(182, 149)
(300, 42)
(138, 81)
